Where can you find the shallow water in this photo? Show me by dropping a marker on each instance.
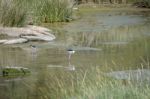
(110, 41)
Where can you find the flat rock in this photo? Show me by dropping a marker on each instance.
(27, 33)
(2, 41)
(38, 38)
(16, 41)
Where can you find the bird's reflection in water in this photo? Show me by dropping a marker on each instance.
(70, 67)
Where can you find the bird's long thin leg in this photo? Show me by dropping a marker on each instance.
(69, 57)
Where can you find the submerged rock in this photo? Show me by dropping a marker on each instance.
(87, 49)
(15, 71)
(134, 75)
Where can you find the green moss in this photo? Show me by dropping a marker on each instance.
(15, 71)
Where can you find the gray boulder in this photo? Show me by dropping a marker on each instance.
(139, 75)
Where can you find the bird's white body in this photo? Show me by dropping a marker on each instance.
(75, 8)
(71, 52)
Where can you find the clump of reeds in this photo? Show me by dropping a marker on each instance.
(12, 12)
(49, 11)
(19, 12)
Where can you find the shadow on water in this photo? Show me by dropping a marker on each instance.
(99, 41)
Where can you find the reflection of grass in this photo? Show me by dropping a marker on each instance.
(120, 35)
(112, 36)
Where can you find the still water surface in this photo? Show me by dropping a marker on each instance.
(111, 41)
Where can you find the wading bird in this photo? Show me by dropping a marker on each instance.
(70, 52)
(33, 49)
(70, 67)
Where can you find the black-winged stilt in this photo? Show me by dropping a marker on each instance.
(70, 52)
(33, 49)
(32, 46)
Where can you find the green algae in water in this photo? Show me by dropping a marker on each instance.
(15, 71)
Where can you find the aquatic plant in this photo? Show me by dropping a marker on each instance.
(15, 71)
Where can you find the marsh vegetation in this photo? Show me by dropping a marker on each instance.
(23, 12)
(106, 41)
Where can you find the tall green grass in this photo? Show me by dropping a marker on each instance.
(20, 12)
(88, 84)
(13, 12)
(53, 10)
